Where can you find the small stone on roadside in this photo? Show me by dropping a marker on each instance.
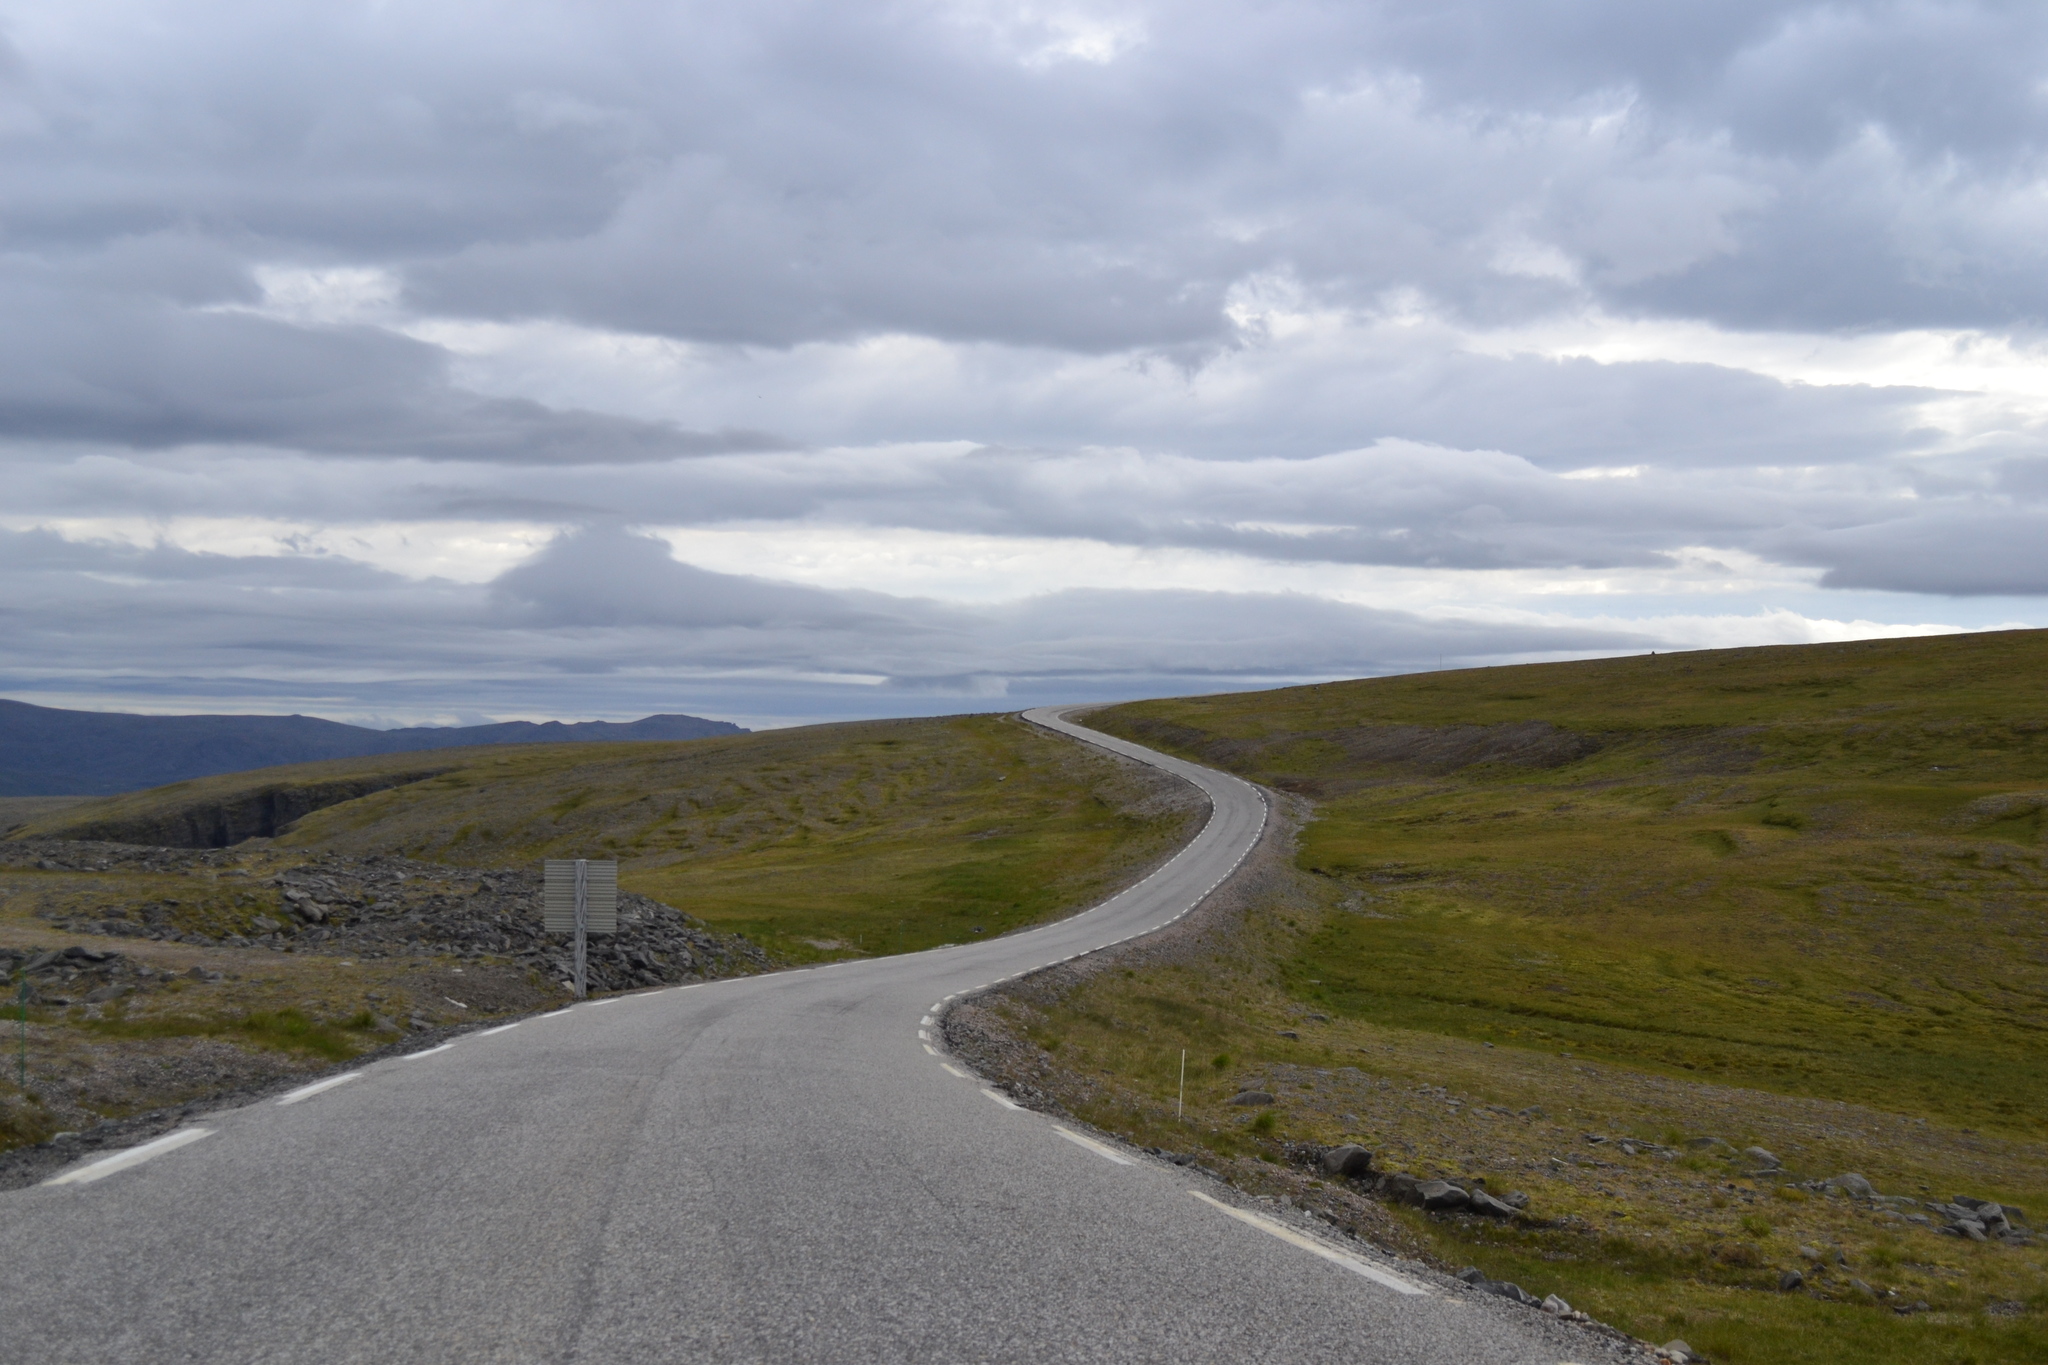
(1251, 1097)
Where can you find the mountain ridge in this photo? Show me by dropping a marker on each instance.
(48, 751)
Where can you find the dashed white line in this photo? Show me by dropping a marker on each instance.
(427, 1053)
(1105, 1152)
(926, 1020)
(307, 1092)
(501, 1028)
(554, 1014)
(948, 1066)
(134, 1156)
(1002, 1099)
(929, 1048)
(1329, 1253)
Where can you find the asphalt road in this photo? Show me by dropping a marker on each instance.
(774, 1169)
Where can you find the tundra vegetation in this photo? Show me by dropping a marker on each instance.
(1588, 931)
(234, 931)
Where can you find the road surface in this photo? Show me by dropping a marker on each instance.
(779, 1169)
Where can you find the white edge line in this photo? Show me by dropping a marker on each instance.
(1310, 1244)
(1002, 1099)
(929, 1048)
(956, 1071)
(1092, 1145)
(427, 1053)
(134, 1156)
(307, 1092)
(500, 1028)
(552, 1014)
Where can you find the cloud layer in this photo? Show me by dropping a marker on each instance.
(1358, 336)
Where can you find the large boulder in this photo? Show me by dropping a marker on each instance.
(1441, 1196)
(1349, 1161)
(1479, 1201)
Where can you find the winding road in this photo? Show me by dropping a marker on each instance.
(784, 1168)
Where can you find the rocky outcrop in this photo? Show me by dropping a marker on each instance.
(389, 907)
(217, 822)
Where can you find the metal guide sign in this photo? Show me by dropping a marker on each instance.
(600, 892)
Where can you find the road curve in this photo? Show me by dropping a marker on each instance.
(777, 1169)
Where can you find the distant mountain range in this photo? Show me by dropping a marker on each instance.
(48, 752)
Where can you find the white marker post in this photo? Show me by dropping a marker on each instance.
(1180, 1106)
(581, 897)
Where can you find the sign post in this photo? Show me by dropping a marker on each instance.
(581, 897)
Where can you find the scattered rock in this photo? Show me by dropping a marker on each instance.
(1553, 1304)
(1476, 1277)
(1853, 1185)
(1288, 1033)
(1862, 1290)
(1349, 1161)
(390, 906)
(1479, 1201)
(1713, 1145)
(1249, 1097)
(1437, 1196)
(1764, 1160)
(1676, 1351)
(1401, 1188)
(1790, 1281)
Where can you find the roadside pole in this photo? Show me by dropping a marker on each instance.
(1180, 1105)
(24, 1035)
(582, 925)
(580, 897)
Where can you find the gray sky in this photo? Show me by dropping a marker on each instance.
(779, 361)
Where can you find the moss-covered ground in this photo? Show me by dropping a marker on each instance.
(1782, 897)
(818, 843)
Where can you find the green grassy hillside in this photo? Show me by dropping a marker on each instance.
(1817, 870)
(1794, 898)
(819, 842)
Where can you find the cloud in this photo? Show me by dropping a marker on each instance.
(1985, 550)
(605, 577)
(1270, 290)
(83, 362)
(608, 609)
